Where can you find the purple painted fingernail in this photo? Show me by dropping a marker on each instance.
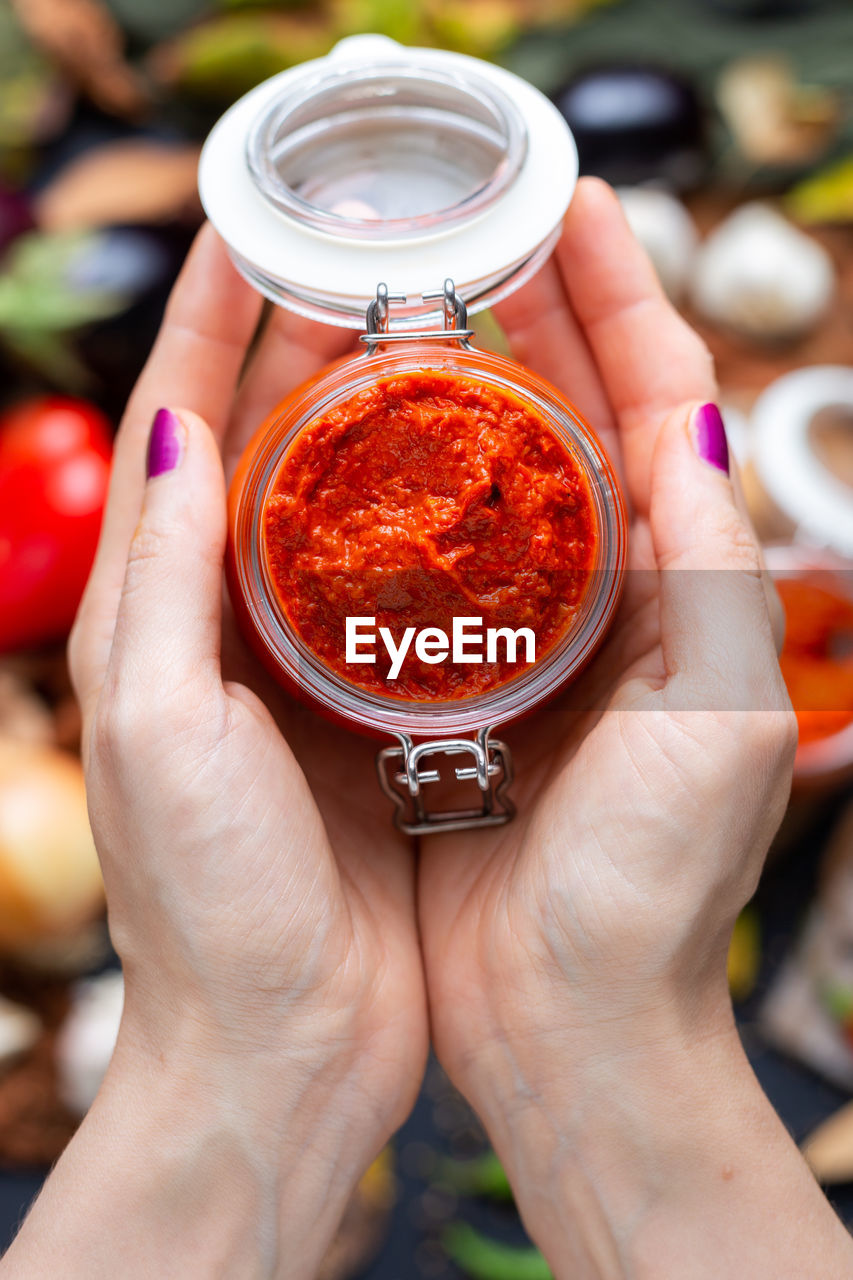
(709, 437)
(165, 443)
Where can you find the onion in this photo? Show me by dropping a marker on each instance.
(50, 880)
(19, 1030)
(87, 1039)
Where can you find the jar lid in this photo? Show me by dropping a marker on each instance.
(815, 499)
(385, 163)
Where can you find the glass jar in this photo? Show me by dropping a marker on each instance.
(344, 173)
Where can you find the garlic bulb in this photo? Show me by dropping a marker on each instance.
(665, 230)
(19, 1030)
(757, 274)
(87, 1039)
(50, 880)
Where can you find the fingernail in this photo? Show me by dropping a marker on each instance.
(709, 437)
(165, 443)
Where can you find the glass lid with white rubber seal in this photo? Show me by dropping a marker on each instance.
(381, 162)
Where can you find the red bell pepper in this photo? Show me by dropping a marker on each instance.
(54, 473)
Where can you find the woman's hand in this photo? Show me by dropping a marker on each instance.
(576, 958)
(274, 1031)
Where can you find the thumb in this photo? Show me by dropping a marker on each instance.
(716, 633)
(170, 613)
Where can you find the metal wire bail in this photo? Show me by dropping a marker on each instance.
(378, 320)
(402, 778)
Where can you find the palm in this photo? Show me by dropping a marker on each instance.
(357, 882)
(337, 767)
(584, 323)
(560, 756)
(331, 771)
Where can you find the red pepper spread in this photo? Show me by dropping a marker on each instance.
(817, 658)
(426, 496)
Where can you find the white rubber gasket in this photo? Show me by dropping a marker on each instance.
(813, 497)
(312, 263)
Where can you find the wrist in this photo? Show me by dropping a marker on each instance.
(664, 1158)
(283, 1117)
(201, 1162)
(598, 1127)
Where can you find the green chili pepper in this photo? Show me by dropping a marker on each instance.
(482, 1176)
(486, 1259)
(837, 999)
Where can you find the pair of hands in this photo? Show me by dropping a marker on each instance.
(286, 953)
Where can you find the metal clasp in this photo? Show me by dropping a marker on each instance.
(378, 321)
(401, 778)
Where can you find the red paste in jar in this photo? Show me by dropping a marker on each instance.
(426, 496)
(817, 657)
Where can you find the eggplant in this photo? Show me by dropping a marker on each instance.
(636, 123)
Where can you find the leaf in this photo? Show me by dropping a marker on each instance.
(228, 55)
(129, 181)
(399, 19)
(264, 4)
(36, 289)
(41, 305)
(50, 355)
(151, 20)
(53, 309)
(84, 40)
(34, 101)
(38, 258)
(481, 28)
(826, 196)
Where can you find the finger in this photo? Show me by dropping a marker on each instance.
(543, 334)
(774, 604)
(290, 351)
(195, 361)
(649, 359)
(168, 624)
(210, 319)
(716, 634)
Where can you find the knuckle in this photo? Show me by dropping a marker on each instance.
(780, 734)
(776, 610)
(770, 740)
(735, 535)
(128, 720)
(702, 353)
(131, 726)
(118, 724)
(695, 348)
(146, 550)
(76, 650)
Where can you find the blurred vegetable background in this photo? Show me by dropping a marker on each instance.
(727, 126)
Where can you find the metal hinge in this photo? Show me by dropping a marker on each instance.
(378, 322)
(402, 777)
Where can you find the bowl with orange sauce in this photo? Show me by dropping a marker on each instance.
(816, 590)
